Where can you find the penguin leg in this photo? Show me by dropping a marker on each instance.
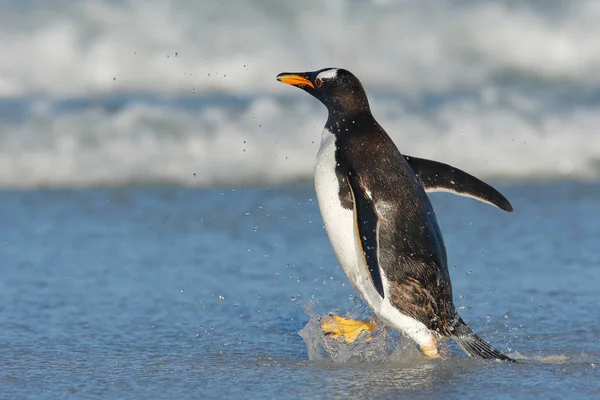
(430, 350)
(426, 339)
(336, 326)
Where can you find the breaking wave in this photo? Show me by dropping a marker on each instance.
(113, 92)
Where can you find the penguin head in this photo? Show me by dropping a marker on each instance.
(338, 89)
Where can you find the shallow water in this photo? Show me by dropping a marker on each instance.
(169, 292)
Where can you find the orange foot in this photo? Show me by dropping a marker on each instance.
(336, 326)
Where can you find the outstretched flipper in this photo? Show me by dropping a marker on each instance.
(439, 177)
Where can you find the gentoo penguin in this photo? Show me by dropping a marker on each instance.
(380, 222)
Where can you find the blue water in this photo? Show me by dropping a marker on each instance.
(160, 236)
(167, 292)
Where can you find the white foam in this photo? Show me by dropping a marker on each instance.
(141, 142)
(77, 48)
(151, 55)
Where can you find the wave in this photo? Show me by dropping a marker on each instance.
(117, 92)
(269, 139)
(67, 48)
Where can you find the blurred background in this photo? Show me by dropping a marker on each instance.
(116, 92)
(159, 234)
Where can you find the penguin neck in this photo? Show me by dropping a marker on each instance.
(340, 121)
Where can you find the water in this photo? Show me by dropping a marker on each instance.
(170, 292)
(160, 237)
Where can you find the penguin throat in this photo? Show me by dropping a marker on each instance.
(340, 122)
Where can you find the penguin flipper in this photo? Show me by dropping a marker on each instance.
(439, 177)
(366, 221)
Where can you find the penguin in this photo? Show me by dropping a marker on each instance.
(380, 221)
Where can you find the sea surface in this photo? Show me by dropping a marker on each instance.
(159, 233)
(169, 292)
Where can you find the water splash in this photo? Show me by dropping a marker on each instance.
(370, 346)
(378, 345)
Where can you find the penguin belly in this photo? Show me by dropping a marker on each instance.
(339, 223)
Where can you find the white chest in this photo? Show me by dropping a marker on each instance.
(339, 223)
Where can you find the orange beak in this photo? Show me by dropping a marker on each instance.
(294, 79)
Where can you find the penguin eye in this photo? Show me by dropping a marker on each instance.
(318, 82)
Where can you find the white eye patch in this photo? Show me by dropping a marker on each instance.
(328, 74)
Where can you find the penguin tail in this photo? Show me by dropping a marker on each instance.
(475, 346)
